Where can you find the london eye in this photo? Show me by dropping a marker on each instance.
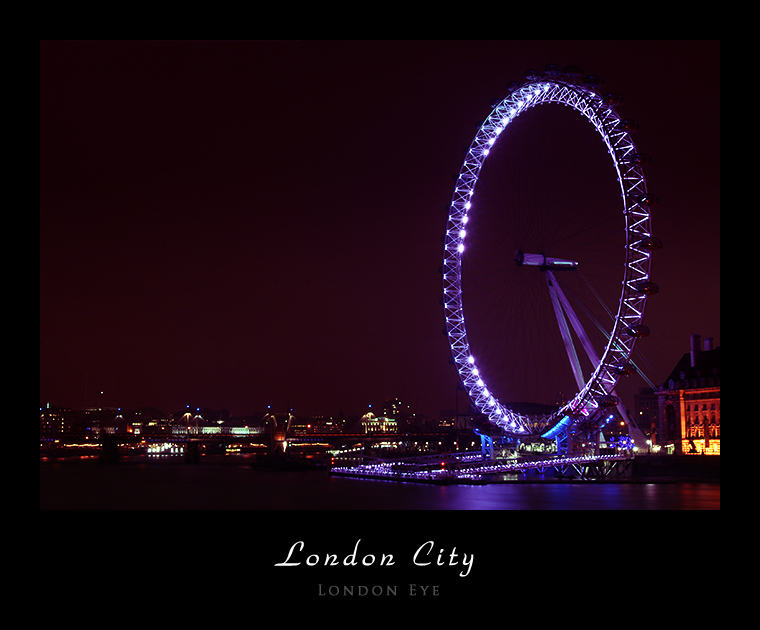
(547, 253)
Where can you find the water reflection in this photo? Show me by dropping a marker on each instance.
(86, 484)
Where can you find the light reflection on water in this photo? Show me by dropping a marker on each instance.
(232, 484)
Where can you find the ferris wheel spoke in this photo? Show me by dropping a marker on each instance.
(572, 355)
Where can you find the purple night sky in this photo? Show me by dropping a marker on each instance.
(240, 224)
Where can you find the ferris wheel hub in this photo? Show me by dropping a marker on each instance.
(544, 262)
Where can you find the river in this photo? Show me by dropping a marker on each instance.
(229, 483)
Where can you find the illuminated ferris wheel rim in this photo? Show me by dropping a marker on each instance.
(569, 89)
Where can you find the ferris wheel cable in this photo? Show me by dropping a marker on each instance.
(529, 212)
(483, 279)
(631, 362)
(561, 224)
(643, 360)
(534, 334)
(583, 277)
(587, 229)
(608, 336)
(509, 322)
(577, 326)
(584, 308)
(580, 332)
(604, 330)
(546, 145)
(595, 238)
(581, 238)
(641, 373)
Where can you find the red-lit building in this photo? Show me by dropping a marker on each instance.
(688, 402)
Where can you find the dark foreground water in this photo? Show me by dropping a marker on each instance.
(230, 484)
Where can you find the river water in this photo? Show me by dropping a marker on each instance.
(229, 483)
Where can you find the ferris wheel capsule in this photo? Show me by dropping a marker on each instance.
(650, 243)
(639, 331)
(572, 71)
(533, 75)
(646, 287)
(647, 199)
(624, 369)
(612, 99)
(553, 69)
(608, 401)
(638, 159)
(593, 81)
(628, 125)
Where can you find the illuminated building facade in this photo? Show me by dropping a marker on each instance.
(374, 424)
(54, 421)
(314, 424)
(689, 402)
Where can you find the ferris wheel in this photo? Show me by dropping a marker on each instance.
(594, 367)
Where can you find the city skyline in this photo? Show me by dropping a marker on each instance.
(242, 224)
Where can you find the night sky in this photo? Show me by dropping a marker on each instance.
(233, 225)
